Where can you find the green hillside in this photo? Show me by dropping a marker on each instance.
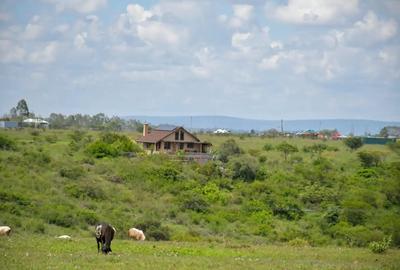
(56, 182)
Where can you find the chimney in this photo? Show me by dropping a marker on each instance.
(145, 129)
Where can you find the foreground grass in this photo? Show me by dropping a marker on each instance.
(43, 252)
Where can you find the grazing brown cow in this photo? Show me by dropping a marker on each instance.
(104, 235)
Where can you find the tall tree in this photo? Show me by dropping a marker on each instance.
(13, 112)
(22, 108)
(353, 143)
(286, 149)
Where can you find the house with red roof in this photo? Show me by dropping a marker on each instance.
(170, 140)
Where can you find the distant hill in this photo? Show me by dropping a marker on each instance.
(345, 126)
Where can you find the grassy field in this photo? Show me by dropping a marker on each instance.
(306, 212)
(41, 252)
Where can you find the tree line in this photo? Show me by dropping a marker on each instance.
(98, 121)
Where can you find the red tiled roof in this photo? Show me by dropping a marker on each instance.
(155, 136)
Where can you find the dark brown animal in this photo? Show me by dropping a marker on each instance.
(104, 235)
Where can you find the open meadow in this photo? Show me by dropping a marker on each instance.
(319, 206)
(45, 252)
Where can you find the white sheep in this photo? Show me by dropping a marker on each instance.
(136, 234)
(5, 230)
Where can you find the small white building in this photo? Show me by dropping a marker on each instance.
(221, 131)
(36, 122)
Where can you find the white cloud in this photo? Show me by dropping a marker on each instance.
(256, 40)
(137, 13)
(242, 15)
(61, 28)
(370, 30)
(45, 55)
(33, 29)
(271, 62)
(276, 45)
(240, 41)
(243, 12)
(183, 10)
(11, 53)
(85, 6)
(157, 33)
(80, 40)
(313, 11)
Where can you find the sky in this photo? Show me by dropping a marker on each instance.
(295, 59)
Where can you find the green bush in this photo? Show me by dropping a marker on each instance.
(85, 191)
(7, 143)
(60, 215)
(51, 138)
(298, 242)
(244, 168)
(194, 201)
(355, 212)
(370, 158)
(286, 208)
(77, 135)
(268, 147)
(72, 172)
(286, 149)
(353, 142)
(112, 145)
(37, 157)
(381, 246)
(169, 173)
(228, 149)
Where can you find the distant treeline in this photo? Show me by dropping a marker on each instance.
(98, 121)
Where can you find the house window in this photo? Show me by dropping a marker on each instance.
(190, 145)
(167, 145)
(181, 145)
(182, 136)
(176, 136)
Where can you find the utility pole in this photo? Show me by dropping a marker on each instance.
(282, 126)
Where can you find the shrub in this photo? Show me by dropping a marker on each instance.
(7, 143)
(287, 209)
(381, 246)
(60, 215)
(38, 157)
(51, 138)
(77, 135)
(317, 148)
(35, 133)
(84, 191)
(72, 172)
(286, 149)
(210, 169)
(168, 173)
(353, 142)
(244, 168)
(88, 217)
(268, 147)
(262, 158)
(298, 242)
(112, 145)
(370, 158)
(227, 149)
(195, 202)
(355, 212)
